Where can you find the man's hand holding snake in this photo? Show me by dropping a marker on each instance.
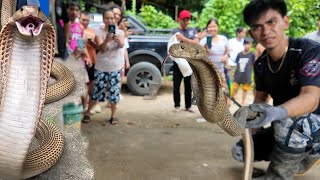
(264, 114)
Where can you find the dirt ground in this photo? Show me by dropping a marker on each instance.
(152, 142)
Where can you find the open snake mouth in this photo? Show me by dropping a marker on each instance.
(30, 26)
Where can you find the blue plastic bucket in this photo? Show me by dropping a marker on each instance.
(72, 113)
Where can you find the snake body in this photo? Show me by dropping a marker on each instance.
(207, 88)
(65, 82)
(26, 60)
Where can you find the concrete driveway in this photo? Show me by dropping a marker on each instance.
(152, 142)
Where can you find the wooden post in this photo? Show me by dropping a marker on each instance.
(123, 5)
(176, 12)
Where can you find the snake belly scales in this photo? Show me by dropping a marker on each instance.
(26, 64)
(207, 89)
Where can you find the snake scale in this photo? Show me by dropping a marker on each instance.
(27, 44)
(207, 88)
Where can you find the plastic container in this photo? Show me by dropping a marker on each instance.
(72, 113)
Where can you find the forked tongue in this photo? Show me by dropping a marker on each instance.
(30, 26)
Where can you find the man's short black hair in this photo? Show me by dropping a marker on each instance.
(255, 8)
(239, 30)
(74, 3)
(247, 40)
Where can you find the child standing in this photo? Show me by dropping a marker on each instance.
(242, 76)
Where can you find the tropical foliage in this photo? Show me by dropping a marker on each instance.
(155, 18)
(191, 5)
(228, 13)
(303, 16)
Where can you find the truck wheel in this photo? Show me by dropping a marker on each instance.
(140, 76)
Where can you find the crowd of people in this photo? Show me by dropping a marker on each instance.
(105, 56)
(103, 52)
(232, 58)
(285, 68)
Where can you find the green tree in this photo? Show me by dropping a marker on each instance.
(303, 16)
(133, 8)
(189, 5)
(228, 13)
(155, 18)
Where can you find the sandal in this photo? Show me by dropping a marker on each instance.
(114, 121)
(86, 119)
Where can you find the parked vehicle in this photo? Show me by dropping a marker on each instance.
(147, 52)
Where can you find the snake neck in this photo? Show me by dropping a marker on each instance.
(25, 70)
(23, 88)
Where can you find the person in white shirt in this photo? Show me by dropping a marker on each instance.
(235, 46)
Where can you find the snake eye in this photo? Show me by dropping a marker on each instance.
(21, 9)
(182, 47)
(39, 9)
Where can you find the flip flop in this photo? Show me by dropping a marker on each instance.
(86, 119)
(114, 121)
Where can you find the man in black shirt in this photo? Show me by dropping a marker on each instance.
(289, 71)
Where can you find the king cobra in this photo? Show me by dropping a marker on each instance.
(27, 43)
(209, 96)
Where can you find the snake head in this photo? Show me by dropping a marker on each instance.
(29, 20)
(187, 51)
